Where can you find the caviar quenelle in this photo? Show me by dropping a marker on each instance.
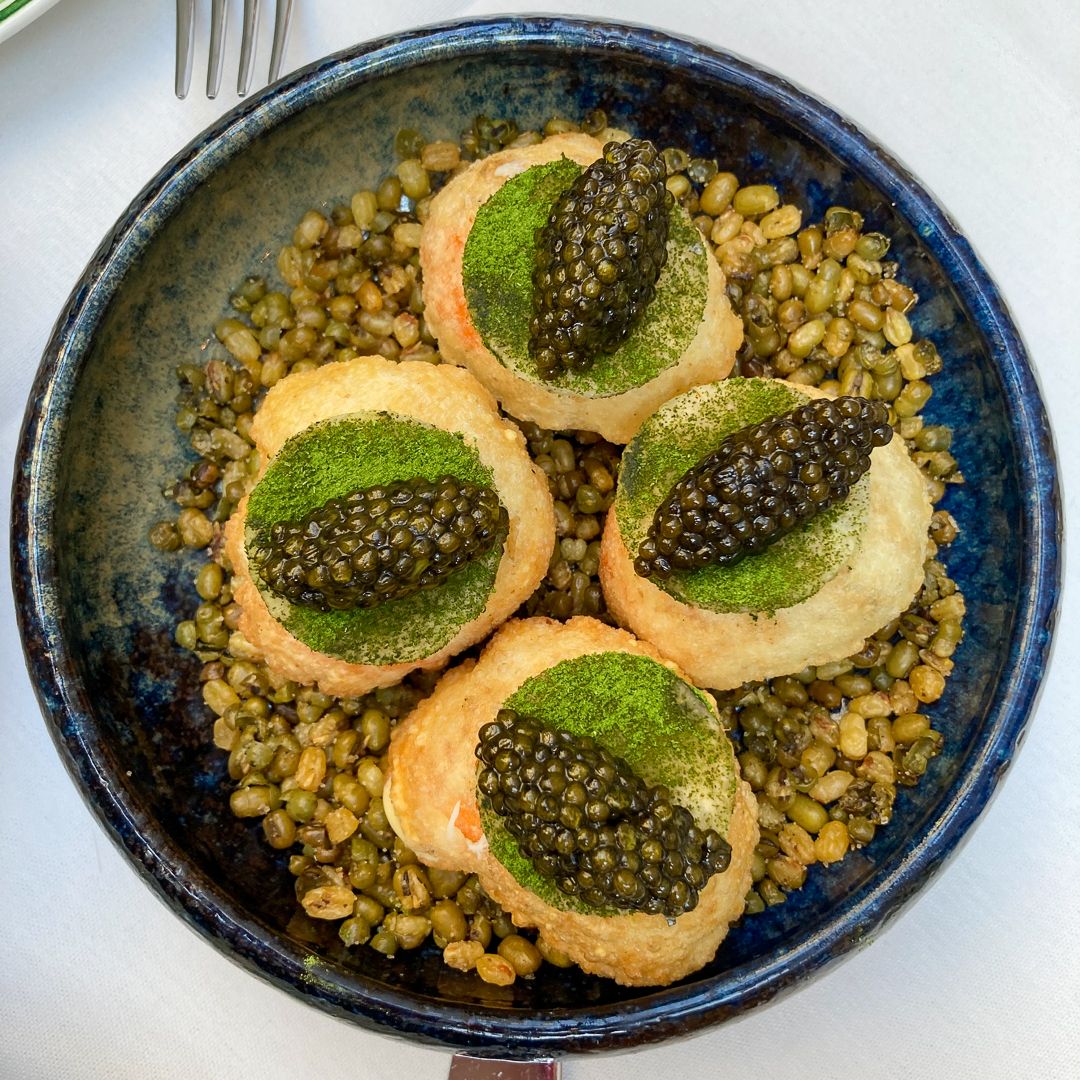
(762, 482)
(599, 258)
(590, 824)
(381, 543)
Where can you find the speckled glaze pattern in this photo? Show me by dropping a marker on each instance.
(97, 604)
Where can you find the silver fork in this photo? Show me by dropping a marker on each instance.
(185, 40)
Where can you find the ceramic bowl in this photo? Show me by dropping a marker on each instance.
(98, 604)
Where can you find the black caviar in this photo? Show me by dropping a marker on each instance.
(381, 543)
(590, 824)
(599, 258)
(763, 481)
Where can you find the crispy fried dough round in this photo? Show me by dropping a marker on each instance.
(444, 397)
(453, 210)
(724, 650)
(430, 799)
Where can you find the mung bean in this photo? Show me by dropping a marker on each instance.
(755, 200)
(521, 953)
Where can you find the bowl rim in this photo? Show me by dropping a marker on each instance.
(658, 1013)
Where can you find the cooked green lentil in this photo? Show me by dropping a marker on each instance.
(824, 749)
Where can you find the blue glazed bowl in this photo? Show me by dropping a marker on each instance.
(98, 605)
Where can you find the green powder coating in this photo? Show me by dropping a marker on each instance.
(500, 252)
(497, 268)
(335, 457)
(682, 433)
(641, 711)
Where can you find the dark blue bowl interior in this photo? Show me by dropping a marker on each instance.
(99, 604)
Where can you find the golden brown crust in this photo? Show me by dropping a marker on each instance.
(430, 799)
(445, 397)
(725, 650)
(709, 356)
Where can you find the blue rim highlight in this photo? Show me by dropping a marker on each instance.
(653, 1016)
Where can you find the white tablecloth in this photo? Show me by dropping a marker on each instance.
(980, 978)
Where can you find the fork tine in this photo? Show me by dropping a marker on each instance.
(217, 45)
(247, 46)
(185, 39)
(281, 36)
